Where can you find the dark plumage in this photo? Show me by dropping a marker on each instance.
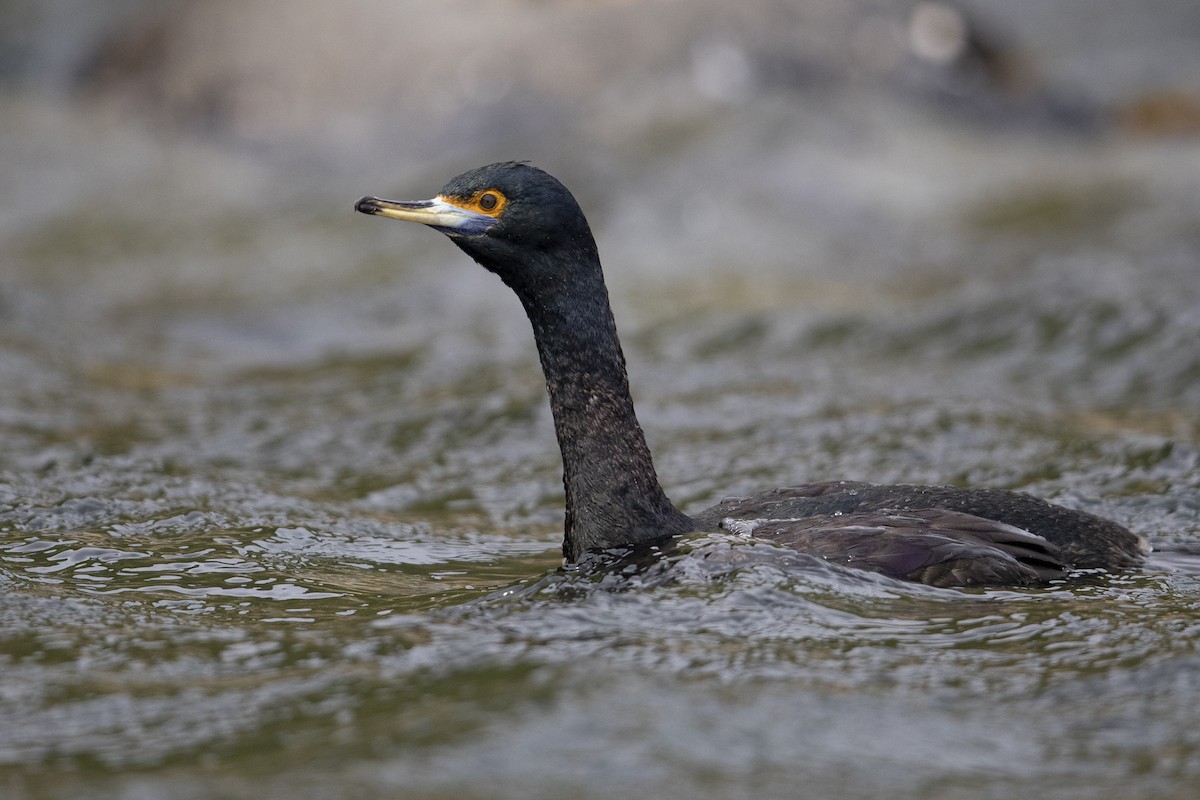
(522, 224)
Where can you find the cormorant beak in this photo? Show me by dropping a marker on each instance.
(437, 213)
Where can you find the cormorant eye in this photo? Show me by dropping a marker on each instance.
(488, 201)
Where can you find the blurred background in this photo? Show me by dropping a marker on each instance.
(241, 425)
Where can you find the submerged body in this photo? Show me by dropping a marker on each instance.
(523, 225)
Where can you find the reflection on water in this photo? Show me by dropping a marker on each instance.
(248, 571)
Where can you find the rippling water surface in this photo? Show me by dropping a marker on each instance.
(301, 539)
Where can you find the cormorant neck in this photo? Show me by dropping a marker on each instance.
(612, 491)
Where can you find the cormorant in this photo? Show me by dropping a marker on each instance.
(525, 226)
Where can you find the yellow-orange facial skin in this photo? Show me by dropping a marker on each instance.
(491, 202)
(455, 216)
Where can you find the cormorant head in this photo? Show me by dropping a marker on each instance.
(514, 219)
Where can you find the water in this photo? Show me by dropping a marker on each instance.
(280, 506)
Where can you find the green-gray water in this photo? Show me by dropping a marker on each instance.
(280, 504)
